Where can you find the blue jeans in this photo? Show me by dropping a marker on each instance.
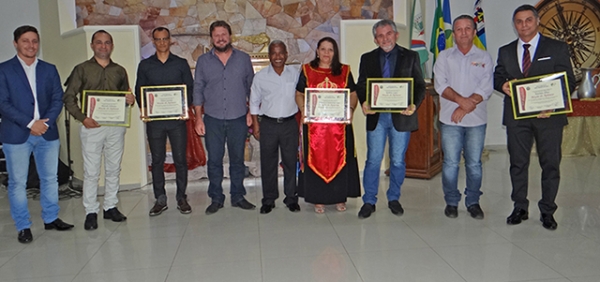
(398, 142)
(17, 165)
(470, 140)
(218, 132)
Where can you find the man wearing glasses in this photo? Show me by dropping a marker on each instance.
(165, 68)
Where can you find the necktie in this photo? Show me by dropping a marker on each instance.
(526, 59)
(386, 66)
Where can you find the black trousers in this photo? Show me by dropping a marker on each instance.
(548, 145)
(157, 132)
(276, 137)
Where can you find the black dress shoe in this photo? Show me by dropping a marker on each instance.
(366, 210)
(294, 207)
(517, 216)
(475, 211)
(58, 225)
(396, 207)
(267, 208)
(213, 208)
(451, 211)
(548, 221)
(25, 236)
(91, 221)
(115, 215)
(243, 204)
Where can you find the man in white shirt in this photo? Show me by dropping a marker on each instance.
(463, 77)
(273, 109)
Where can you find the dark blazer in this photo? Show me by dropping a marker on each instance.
(407, 65)
(551, 56)
(17, 103)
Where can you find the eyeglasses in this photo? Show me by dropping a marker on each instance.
(165, 39)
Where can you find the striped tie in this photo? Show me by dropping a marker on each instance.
(526, 59)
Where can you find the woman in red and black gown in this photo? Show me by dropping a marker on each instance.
(329, 170)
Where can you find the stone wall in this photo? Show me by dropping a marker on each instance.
(299, 23)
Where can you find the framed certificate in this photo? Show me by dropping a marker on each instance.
(108, 108)
(164, 102)
(391, 95)
(327, 105)
(532, 95)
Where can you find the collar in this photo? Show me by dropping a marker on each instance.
(469, 53)
(155, 57)
(271, 70)
(93, 60)
(393, 51)
(212, 51)
(534, 41)
(25, 66)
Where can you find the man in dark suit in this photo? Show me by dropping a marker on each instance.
(389, 60)
(30, 102)
(532, 54)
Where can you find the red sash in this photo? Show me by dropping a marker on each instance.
(326, 141)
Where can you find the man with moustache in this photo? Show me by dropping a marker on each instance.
(532, 54)
(463, 77)
(99, 73)
(221, 90)
(389, 60)
(273, 109)
(30, 102)
(166, 68)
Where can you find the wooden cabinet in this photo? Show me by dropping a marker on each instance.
(424, 153)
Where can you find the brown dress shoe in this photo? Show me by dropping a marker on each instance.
(183, 206)
(157, 209)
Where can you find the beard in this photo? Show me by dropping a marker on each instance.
(388, 47)
(223, 49)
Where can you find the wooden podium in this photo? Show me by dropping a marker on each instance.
(424, 153)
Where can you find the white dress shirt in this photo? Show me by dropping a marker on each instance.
(31, 77)
(274, 95)
(534, 43)
(466, 74)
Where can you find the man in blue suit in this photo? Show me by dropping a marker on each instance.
(30, 102)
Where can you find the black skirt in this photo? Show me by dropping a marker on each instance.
(346, 184)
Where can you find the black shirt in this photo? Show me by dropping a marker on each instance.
(152, 72)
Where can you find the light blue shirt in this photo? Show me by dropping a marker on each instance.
(274, 95)
(467, 74)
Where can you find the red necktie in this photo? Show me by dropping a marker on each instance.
(526, 59)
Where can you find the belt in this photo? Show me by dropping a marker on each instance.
(279, 120)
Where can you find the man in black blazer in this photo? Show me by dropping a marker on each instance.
(532, 54)
(389, 60)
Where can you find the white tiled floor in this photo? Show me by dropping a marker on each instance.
(238, 245)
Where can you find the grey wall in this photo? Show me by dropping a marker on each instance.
(14, 13)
